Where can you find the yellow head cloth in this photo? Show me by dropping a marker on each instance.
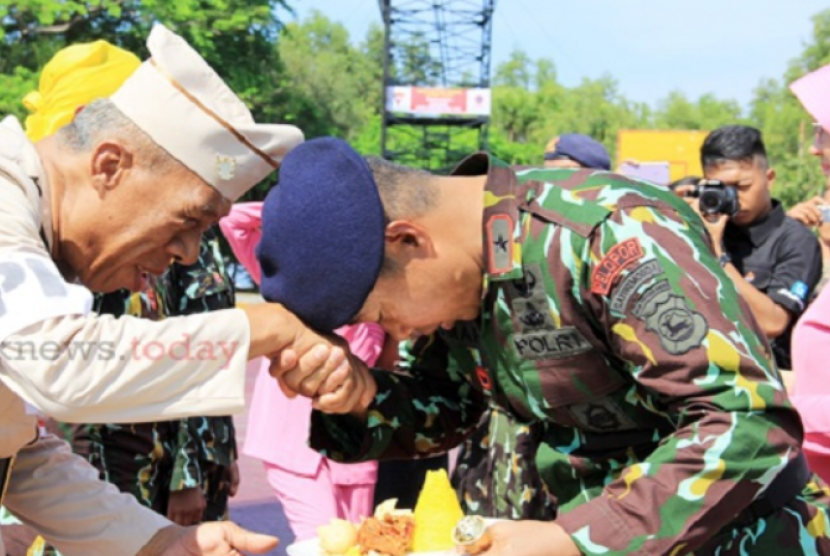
(75, 76)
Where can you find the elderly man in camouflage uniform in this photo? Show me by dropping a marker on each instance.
(576, 299)
(184, 469)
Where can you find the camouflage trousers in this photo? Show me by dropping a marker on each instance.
(496, 474)
(142, 459)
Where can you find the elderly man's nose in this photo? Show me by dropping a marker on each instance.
(185, 249)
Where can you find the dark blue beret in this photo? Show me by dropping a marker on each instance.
(322, 234)
(581, 148)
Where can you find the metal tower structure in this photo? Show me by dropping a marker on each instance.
(436, 72)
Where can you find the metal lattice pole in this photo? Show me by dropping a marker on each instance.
(435, 49)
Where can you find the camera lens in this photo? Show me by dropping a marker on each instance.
(710, 201)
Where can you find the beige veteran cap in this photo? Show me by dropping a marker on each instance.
(186, 108)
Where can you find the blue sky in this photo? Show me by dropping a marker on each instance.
(651, 47)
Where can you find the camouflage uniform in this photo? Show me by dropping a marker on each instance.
(606, 320)
(150, 460)
(496, 475)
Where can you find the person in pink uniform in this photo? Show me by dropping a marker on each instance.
(810, 384)
(312, 489)
(811, 391)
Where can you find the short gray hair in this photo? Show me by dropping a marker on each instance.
(405, 193)
(101, 119)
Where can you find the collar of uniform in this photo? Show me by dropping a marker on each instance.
(502, 249)
(34, 167)
(760, 230)
(29, 163)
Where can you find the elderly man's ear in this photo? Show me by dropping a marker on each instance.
(111, 160)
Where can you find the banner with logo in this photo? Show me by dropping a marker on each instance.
(431, 101)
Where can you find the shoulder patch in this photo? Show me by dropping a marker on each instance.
(679, 328)
(800, 290)
(500, 243)
(631, 283)
(644, 304)
(619, 257)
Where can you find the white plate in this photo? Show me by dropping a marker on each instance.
(311, 547)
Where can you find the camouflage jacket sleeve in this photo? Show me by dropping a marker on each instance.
(187, 471)
(428, 408)
(200, 288)
(201, 440)
(678, 328)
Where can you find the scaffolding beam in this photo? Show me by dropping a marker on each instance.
(435, 48)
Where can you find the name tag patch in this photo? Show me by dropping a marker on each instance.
(631, 283)
(551, 344)
(619, 257)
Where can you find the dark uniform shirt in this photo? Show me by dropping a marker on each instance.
(782, 258)
(607, 321)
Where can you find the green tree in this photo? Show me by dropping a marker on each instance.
(335, 85)
(786, 126)
(678, 112)
(235, 36)
(515, 72)
(13, 87)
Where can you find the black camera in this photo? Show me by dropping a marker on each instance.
(715, 197)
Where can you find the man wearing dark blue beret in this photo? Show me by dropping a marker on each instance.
(575, 150)
(576, 300)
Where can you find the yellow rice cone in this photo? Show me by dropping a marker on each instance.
(436, 513)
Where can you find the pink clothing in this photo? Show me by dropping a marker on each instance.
(243, 230)
(312, 489)
(308, 501)
(810, 352)
(278, 434)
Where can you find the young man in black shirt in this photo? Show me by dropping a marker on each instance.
(774, 260)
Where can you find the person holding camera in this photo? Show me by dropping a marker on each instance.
(774, 260)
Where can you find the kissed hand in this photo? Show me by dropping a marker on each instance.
(307, 363)
(336, 380)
